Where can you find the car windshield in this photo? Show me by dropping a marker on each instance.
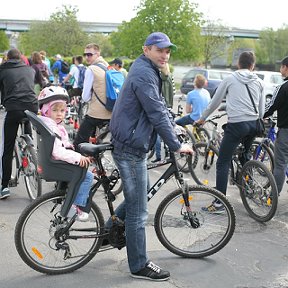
(276, 79)
(193, 73)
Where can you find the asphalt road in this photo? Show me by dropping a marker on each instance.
(256, 256)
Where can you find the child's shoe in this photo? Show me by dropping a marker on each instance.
(81, 215)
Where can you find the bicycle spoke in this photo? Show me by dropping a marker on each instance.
(40, 247)
(177, 234)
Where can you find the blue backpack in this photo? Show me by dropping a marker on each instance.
(81, 77)
(114, 82)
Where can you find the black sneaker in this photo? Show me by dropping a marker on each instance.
(151, 272)
(156, 160)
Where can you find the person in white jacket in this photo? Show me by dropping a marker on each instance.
(53, 105)
(242, 117)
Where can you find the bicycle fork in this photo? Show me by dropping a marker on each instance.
(186, 209)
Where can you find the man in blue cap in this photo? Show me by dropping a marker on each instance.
(138, 115)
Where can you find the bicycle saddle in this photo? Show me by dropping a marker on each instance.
(94, 150)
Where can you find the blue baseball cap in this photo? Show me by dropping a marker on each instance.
(161, 40)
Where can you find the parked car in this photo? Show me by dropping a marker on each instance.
(271, 81)
(214, 77)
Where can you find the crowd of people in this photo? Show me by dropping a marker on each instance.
(140, 116)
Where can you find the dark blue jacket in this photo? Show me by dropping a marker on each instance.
(140, 111)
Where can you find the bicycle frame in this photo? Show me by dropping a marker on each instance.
(172, 170)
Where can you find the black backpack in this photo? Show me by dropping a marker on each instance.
(65, 68)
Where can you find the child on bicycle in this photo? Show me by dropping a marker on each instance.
(53, 104)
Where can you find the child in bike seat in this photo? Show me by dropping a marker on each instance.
(53, 104)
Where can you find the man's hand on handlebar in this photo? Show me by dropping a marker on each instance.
(185, 148)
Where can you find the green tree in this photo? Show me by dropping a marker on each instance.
(104, 43)
(61, 34)
(4, 41)
(214, 41)
(272, 45)
(177, 18)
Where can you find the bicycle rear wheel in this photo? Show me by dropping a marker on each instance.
(258, 191)
(32, 179)
(39, 246)
(183, 159)
(203, 171)
(202, 135)
(15, 169)
(112, 172)
(174, 229)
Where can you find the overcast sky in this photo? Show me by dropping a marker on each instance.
(250, 14)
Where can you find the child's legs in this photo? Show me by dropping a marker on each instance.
(83, 193)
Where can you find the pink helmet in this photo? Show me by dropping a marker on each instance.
(51, 95)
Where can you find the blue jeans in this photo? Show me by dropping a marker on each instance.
(185, 120)
(133, 210)
(234, 133)
(83, 193)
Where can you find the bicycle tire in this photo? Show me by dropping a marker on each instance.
(204, 172)
(183, 159)
(175, 232)
(202, 135)
(15, 169)
(32, 179)
(258, 191)
(263, 153)
(35, 236)
(151, 153)
(111, 170)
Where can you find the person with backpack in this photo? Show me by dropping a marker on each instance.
(77, 73)
(94, 92)
(41, 72)
(60, 67)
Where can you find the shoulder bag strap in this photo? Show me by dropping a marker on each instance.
(104, 68)
(251, 98)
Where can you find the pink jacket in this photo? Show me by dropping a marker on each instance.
(60, 151)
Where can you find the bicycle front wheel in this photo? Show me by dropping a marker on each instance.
(212, 232)
(263, 153)
(33, 181)
(258, 191)
(38, 242)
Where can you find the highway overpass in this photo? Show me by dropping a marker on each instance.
(11, 26)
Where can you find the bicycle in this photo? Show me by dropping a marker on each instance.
(268, 141)
(50, 243)
(256, 183)
(24, 163)
(263, 149)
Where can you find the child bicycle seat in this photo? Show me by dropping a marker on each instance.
(55, 170)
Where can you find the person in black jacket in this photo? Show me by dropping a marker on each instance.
(138, 115)
(279, 103)
(17, 95)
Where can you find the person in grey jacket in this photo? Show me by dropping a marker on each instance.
(242, 118)
(138, 115)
